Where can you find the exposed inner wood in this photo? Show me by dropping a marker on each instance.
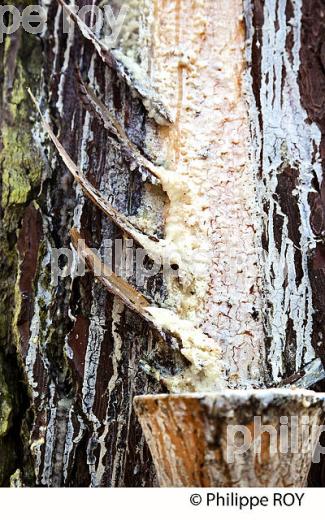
(197, 63)
(192, 443)
(206, 175)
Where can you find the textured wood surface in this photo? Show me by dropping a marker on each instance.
(286, 107)
(70, 352)
(79, 347)
(190, 440)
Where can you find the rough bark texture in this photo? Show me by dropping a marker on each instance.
(70, 352)
(287, 151)
(80, 418)
(287, 116)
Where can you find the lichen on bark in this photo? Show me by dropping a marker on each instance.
(21, 171)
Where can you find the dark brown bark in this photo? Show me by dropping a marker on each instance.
(60, 419)
(283, 208)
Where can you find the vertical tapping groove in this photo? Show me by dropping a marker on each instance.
(207, 149)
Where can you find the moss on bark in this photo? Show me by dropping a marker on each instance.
(21, 172)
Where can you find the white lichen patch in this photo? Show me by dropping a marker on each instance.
(36, 343)
(285, 139)
(64, 69)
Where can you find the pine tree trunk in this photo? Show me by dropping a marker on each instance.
(244, 82)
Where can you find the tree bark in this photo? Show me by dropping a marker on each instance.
(71, 353)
